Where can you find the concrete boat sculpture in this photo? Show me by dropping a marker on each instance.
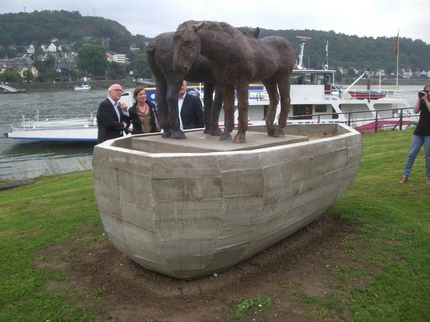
(190, 208)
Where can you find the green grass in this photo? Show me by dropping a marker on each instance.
(244, 306)
(395, 230)
(33, 217)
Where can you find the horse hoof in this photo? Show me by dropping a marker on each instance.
(179, 135)
(239, 139)
(216, 132)
(227, 139)
(167, 134)
(279, 134)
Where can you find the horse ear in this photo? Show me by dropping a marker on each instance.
(257, 32)
(198, 25)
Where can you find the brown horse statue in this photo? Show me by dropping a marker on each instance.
(236, 62)
(168, 83)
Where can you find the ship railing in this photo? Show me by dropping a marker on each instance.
(364, 121)
(44, 122)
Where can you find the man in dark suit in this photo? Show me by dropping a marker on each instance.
(190, 109)
(111, 121)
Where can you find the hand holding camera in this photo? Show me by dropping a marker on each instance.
(423, 94)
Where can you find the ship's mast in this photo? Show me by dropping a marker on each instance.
(302, 48)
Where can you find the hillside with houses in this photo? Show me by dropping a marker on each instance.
(50, 46)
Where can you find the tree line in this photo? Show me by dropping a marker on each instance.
(91, 37)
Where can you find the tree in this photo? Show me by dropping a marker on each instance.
(338, 76)
(142, 66)
(10, 76)
(116, 71)
(28, 75)
(92, 59)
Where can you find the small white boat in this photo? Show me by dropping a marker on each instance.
(82, 87)
(77, 128)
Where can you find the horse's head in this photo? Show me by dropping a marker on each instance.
(186, 46)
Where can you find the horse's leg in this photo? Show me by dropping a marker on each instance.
(172, 101)
(271, 88)
(242, 107)
(284, 90)
(207, 102)
(163, 109)
(216, 109)
(227, 93)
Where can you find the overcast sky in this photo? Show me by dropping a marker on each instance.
(370, 18)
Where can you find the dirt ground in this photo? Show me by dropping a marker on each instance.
(303, 265)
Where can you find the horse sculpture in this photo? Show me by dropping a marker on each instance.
(168, 83)
(237, 61)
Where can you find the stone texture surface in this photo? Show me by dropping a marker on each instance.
(189, 208)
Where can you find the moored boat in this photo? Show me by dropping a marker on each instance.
(82, 87)
(368, 94)
(313, 100)
(76, 128)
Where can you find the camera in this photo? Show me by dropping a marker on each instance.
(421, 94)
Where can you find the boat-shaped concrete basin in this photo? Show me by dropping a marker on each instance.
(194, 207)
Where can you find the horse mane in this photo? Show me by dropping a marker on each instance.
(212, 25)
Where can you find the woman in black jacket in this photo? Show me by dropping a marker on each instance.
(143, 114)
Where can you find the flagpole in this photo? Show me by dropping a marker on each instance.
(326, 53)
(397, 54)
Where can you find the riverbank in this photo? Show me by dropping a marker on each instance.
(50, 87)
(104, 84)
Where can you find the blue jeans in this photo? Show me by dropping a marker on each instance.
(417, 142)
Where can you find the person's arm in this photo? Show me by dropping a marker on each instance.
(426, 100)
(417, 106)
(109, 119)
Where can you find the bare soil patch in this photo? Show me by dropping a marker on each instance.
(118, 289)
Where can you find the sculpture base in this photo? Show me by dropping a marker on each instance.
(190, 208)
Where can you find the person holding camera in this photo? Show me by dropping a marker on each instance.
(421, 135)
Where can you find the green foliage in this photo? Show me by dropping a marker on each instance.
(359, 52)
(10, 75)
(92, 59)
(246, 306)
(142, 66)
(28, 75)
(40, 27)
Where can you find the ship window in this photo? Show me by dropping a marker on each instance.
(320, 108)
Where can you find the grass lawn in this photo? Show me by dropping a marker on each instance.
(395, 225)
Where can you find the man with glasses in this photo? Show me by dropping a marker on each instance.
(111, 120)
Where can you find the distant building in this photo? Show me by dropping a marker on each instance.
(33, 70)
(31, 50)
(51, 48)
(133, 47)
(120, 58)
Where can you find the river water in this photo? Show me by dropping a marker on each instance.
(29, 159)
